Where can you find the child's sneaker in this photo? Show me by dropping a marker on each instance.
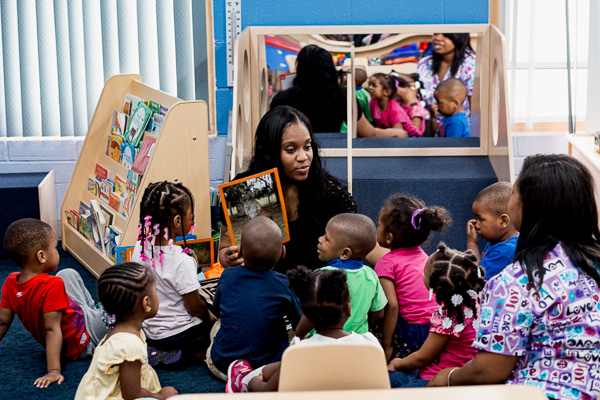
(237, 370)
(156, 357)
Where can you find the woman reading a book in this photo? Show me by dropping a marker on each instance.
(284, 140)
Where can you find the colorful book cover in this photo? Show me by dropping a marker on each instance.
(113, 236)
(128, 152)
(96, 235)
(70, 218)
(120, 185)
(101, 172)
(115, 202)
(154, 106)
(163, 110)
(130, 103)
(133, 180)
(128, 204)
(105, 190)
(144, 154)
(93, 186)
(85, 225)
(115, 147)
(119, 123)
(137, 124)
(157, 123)
(83, 208)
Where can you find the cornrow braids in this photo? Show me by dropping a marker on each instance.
(456, 273)
(324, 294)
(122, 286)
(161, 202)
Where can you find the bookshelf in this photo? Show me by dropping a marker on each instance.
(180, 155)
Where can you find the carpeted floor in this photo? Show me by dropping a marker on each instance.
(22, 359)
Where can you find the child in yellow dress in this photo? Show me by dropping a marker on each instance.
(120, 369)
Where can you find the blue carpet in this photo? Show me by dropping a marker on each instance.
(449, 182)
(22, 359)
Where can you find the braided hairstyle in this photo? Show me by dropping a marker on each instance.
(397, 219)
(162, 201)
(455, 273)
(122, 286)
(324, 294)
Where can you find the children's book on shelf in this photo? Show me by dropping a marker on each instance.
(133, 180)
(144, 154)
(128, 152)
(116, 143)
(108, 214)
(116, 202)
(105, 190)
(137, 124)
(111, 240)
(93, 186)
(119, 123)
(130, 103)
(101, 172)
(247, 198)
(157, 123)
(85, 225)
(120, 185)
(128, 204)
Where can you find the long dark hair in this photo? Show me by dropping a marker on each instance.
(315, 71)
(557, 205)
(267, 154)
(462, 46)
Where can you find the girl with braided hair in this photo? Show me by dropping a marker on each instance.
(120, 367)
(456, 280)
(182, 324)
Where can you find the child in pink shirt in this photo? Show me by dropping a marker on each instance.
(385, 110)
(405, 223)
(456, 280)
(407, 90)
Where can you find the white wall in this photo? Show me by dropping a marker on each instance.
(526, 144)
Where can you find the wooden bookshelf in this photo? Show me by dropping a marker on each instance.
(180, 155)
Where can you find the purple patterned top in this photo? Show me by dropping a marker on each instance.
(554, 332)
(466, 73)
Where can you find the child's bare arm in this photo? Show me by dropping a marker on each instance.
(195, 306)
(131, 388)
(6, 319)
(422, 357)
(472, 238)
(391, 316)
(54, 340)
(303, 327)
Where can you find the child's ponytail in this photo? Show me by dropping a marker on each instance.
(410, 221)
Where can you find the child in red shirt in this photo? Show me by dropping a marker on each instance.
(66, 325)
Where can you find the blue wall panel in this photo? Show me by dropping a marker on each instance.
(334, 12)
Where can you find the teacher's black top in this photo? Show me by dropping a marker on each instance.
(305, 231)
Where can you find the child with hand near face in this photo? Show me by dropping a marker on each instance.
(493, 223)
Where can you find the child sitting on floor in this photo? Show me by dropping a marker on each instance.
(407, 89)
(494, 225)
(183, 322)
(58, 310)
(120, 366)
(363, 97)
(347, 241)
(404, 224)
(450, 96)
(253, 302)
(325, 301)
(456, 281)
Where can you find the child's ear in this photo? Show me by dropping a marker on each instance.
(283, 250)
(389, 239)
(177, 221)
(40, 256)
(346, 253)
(504, 220)
(146, 304)
(348, 310)
(387, 92)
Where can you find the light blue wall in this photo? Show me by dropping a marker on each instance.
(334, 12)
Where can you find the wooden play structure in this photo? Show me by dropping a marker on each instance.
(180, 155)
(489, 102)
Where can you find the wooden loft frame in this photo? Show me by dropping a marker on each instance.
(489, 99)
